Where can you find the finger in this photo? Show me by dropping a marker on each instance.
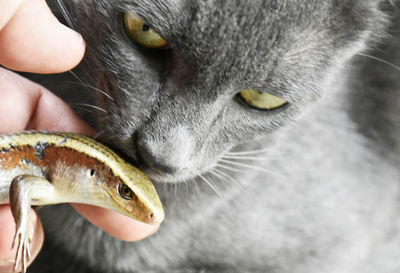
(33, 40)
(8, 8)
(7, 231)
(115, 224)
(26, 105)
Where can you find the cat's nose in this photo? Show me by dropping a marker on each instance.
(168, 153)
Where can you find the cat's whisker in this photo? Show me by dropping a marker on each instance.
(258, 169)
(250, 152)
(196, 189)
(81, 108)
(176, 190)
(90, 106)
(396, 67)
(68, 18)
(99, 134)
(250, 167)
(81, 82)
(229, 168)
(95, 89)
(226, 176)
(211, 185)
(251, 158)
(186, 186)
(212, 172)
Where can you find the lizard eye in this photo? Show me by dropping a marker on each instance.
(125, 192)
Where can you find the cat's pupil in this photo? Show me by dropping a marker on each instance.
(145, 27)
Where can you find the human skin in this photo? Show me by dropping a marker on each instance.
(48, 47)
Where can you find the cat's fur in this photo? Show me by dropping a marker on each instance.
(324, 197)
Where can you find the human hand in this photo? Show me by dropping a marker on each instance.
(47, 47)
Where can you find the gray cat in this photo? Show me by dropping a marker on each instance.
(307, 185)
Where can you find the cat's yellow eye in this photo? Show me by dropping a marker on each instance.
(142, 33)
(262, 101)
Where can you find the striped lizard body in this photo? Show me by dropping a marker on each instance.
(42, 168)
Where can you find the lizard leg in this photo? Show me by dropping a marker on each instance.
(24, 190)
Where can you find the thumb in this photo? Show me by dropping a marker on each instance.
(33, 40)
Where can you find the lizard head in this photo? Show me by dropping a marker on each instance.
(102, 178)
(134, 195)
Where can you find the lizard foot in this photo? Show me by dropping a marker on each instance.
(23, 253)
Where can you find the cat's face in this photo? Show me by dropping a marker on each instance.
(176, 110)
